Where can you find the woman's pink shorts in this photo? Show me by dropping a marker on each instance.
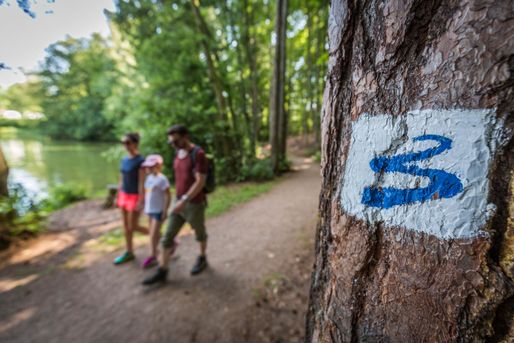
(127, 202)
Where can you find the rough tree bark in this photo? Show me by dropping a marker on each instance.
(278, 120)
(433, 266)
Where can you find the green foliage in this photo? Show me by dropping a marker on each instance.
(19, 215)
(21, 123)
(259, 170)
(205, 64)
(77, 77)
(317, 156)
(63, 195)
(23, 97)
(284, 166)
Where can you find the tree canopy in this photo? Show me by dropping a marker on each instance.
(205, 64)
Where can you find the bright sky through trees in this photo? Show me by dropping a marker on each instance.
(23, 39)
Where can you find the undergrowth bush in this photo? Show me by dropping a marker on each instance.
(62, 195)
(259, 170)
(21, 215)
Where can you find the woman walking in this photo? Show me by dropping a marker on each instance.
(130, 193)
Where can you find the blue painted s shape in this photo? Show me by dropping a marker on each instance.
(442, 184)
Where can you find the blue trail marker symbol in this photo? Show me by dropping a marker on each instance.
(442, 184)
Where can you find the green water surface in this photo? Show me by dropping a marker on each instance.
(39, 163)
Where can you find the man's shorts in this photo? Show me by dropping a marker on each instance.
(194, 214)
(127, 202)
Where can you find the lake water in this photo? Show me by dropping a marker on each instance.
(38, 163)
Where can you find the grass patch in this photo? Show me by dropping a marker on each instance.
(112, 238)
(75, 262)
(226, 197)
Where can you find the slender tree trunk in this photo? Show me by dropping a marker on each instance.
(318, 74)
(216, 83)
(218, 89)
(4, 172)
(234, 115)
(278, 120)
(414, 241)
(250, 52)
(249, 125)
(307, 110)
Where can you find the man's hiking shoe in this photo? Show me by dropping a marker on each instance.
(127, 256)
(160, 276)
(200, 265)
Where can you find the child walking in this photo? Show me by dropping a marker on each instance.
(157, 201)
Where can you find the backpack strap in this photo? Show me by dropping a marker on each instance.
(192, 155)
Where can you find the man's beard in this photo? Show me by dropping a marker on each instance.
(180, 145)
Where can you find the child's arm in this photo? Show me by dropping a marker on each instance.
(167, 202)
(141, 190)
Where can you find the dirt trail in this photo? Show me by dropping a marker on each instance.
(46, 299)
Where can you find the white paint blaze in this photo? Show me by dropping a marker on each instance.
(474, 135)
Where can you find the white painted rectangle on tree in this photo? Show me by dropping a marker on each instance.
(424, 171)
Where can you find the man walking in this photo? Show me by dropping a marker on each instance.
(191, 168)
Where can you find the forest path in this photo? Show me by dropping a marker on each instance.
(64, 288)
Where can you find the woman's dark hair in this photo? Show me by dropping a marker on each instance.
(179, 129)
(133, 137)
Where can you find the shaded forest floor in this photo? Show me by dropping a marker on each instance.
(62, 286)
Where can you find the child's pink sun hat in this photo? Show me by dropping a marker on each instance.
(152, 160)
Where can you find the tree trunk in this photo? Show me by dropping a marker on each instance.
(318, 73)
(4, 172)
(224, 137)
(278, 121)
(307, 109)
(249, 43)
(414, 242)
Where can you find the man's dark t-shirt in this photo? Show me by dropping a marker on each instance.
(129, 168)
(184, 175)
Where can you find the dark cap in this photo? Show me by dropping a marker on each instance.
(179, 129)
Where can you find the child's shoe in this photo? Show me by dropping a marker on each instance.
(149, 262)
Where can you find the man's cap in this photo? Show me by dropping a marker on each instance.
(152, 160)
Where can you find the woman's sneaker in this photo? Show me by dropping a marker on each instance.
(127, 256)
(149, 262)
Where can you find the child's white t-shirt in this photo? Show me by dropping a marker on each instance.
(155, 185)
